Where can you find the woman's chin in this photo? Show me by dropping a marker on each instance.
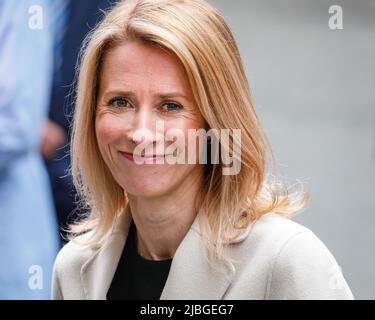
(149, 189)
(155, 183)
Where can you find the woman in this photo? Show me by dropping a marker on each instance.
(153, 72)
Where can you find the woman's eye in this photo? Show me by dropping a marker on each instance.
(118, 103)
(170, 107)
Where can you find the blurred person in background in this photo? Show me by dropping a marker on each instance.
(82, 16)
(28, 237)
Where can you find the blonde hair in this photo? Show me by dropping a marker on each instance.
(198, 35)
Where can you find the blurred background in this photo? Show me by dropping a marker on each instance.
(314, 89)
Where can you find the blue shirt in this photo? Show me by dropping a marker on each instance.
(28, 231)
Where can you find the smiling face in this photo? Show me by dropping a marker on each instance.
(140, 87)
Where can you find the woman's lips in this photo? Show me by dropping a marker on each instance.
(130, 156)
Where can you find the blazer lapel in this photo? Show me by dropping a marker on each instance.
(190, 276)
(98, 271)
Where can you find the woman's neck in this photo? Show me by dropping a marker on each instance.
(163, 222)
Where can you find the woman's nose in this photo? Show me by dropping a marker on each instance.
(144, 127)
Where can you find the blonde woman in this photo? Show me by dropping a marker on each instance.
(153, 72)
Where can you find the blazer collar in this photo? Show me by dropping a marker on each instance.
(190, 275)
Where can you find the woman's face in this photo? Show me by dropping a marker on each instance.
(144, 89)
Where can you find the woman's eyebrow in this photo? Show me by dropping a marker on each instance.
(172, 95)
(114, 93)
(131, 94)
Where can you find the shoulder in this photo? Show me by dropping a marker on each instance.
(276, 226)
(75, 253)
(286, 236)
(299, 265)
(273, 231)
(68, 264)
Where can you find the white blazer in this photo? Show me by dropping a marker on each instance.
(278, 259)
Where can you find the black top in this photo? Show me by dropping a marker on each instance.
(137, 278)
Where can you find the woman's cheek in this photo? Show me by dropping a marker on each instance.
(108, 128)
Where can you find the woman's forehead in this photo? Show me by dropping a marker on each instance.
(135, 63)
(136, 57)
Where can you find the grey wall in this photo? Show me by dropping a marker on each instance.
(314, 89)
